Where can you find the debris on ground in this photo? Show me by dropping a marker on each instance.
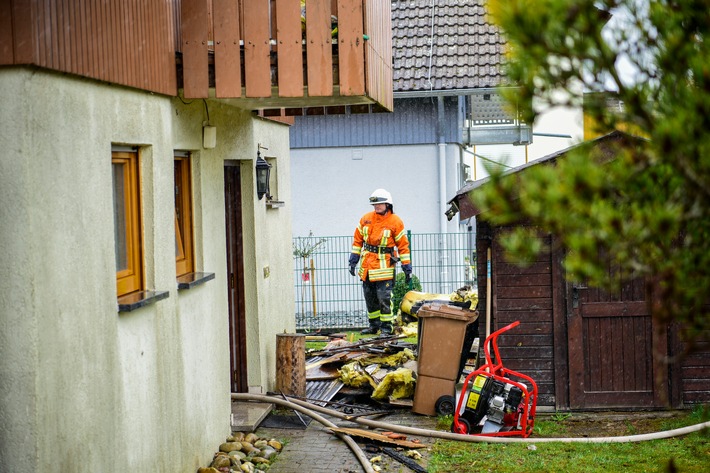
(383, 366)
(370, 377)
(377, 437)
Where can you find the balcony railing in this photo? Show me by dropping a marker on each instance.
(285, 53)
(256, 54)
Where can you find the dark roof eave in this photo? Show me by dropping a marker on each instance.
(463, 204)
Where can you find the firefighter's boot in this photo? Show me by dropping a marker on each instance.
(373, 328)
(386, 328)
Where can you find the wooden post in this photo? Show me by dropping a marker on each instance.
(313, 287)
(291, 364)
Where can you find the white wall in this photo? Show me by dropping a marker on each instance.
(331, 186)
(83, 387)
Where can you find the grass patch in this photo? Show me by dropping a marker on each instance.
(351, 337)
(689, 453)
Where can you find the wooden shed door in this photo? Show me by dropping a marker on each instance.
(614, 351)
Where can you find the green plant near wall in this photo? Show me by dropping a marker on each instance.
(401, 288)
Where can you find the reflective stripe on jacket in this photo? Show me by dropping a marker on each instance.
(380, 231)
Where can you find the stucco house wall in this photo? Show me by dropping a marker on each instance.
(82, 386)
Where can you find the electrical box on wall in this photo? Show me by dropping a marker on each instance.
(209, 136)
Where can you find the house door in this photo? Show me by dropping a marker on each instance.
(235, 278)
(614, 349)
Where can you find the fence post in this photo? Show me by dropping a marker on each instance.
(313, 287)
(411, 253)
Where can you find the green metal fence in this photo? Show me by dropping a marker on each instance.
(328, 297)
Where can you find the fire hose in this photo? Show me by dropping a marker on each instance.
(311, 410)
(310, 413)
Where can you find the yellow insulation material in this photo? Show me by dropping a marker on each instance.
(393, 360)
(398, 384)
(353, 375)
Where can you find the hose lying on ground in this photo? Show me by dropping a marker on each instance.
(349, 441)
(478, 438)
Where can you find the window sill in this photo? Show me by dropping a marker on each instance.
(140, 299)
(190, 280)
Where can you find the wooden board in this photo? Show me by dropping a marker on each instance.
(318, 373)
(289, 52)
(377, 437)
(194, 49)
(227, 57)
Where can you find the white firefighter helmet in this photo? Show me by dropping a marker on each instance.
(381, 196)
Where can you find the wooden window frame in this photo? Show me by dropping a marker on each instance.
(130, 279)
(184, 241)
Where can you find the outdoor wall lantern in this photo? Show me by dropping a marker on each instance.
(263, 169)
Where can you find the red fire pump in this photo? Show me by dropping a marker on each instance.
(498, 401)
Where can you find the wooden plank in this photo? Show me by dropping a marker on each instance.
(92, 41)
(520, 340)
(378, 52)
(517, 270)
(257, 48)
(560, 309)
(351, 48)
(532, 316)
(524, 292)
(7, 34)
(289, 54)
(318, 373)
(368, 434)
(615, 309)
(319, 54)
(195, 67)
(330, 359)
(147, 71)
(113, 16)
(541, 279)
(227, 52)
(617, 361)
(165, 50)
(524, 304)
(106, 70)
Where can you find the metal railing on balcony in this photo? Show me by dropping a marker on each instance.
(328, 297)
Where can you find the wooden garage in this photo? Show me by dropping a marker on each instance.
(585, 347)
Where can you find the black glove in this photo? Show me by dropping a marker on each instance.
(407, 268)
(352, 261)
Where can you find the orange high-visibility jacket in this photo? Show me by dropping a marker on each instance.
(381, 231)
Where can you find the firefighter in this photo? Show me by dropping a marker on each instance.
(380, 241)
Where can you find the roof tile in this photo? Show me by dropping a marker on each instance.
(453, 36)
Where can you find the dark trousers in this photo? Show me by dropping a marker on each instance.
(378, 299)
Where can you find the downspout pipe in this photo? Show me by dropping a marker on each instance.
(441, 141)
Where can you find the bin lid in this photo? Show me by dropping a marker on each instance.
(448, 312)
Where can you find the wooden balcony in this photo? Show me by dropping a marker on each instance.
(254, 54)
(278, 53)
